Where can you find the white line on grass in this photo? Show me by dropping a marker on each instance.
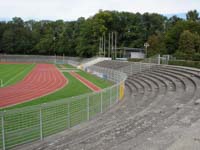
(6, 83)
(1, 85)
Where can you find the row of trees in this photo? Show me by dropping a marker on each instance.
(81, 37)
(181, 37)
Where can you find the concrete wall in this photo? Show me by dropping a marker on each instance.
(93, 61)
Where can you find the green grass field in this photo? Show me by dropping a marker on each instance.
(12, 73)
(69, 66)
(102, 83)
(73, 88)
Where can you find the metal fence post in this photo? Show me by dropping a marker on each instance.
(159, 59)
(131, 69)
(117, 92)
(41, 132)
(110, 96)
(101, 101)
(3, 131)
(68, 115)
(149, 65)
(88, 108)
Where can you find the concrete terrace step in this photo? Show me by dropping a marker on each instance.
(193, 79)
(171, 83)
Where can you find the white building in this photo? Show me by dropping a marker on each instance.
(126, 52)
(137, 55)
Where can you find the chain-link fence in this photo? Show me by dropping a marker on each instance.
(130, 68)
(75, 61)
(147, 64)
(32, 123)
(27, 58)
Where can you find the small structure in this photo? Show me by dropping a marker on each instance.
(126, 52)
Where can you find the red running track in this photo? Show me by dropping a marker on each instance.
(89, 84)
(42, 80)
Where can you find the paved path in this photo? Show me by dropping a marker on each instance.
(89, 84)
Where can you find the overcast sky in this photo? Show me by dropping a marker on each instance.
(73, 9)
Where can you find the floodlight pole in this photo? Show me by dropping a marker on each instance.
(102, 43)
(100, 46)
(104, 46)
(146, 45)
(63, 58)
(115, 45)
(54, 39)
(112, 45)
(109, 45)
(124, 52)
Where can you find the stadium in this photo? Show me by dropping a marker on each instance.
(51, 102)
(99, 75)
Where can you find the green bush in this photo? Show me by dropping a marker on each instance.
(183, 56)
(135, 59)
(195, 64)
(196, 57)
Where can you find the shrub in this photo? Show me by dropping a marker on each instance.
(195, 64)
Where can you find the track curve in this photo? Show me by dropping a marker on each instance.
(42, 80)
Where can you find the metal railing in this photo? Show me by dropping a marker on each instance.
(148, 64)
(137, 67)
(32, 123)
(129, 68)
(42, 59)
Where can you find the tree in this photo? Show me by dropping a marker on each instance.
(8, 41)
(46, 45)
(172, 36)
(192, 15)
(172, 22)
(3, 28)
(153, 23)
(17, 21)
(157, 45)
(187, 43)
(81, 37)
(197, 43)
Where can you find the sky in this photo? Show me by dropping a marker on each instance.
(73, 9)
